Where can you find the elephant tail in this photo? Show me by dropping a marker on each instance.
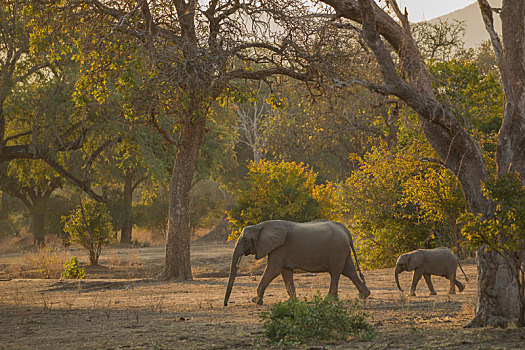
(355, 256)
(357, 263)
(351, 246)
(464, 274)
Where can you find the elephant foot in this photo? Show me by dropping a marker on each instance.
(451, 292)
(365, 294)
(461, 288)
(412, 294)
(257, 300)
(432, 293)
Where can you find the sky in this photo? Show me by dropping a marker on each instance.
(427, 9)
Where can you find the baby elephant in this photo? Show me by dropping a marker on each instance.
(427, 262)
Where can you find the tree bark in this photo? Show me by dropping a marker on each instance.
(498, 293)
(177, 265)
(38, 223)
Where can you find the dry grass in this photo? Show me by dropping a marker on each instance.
(13, 244)
(402, 301)
(48, 261)
(147, 236)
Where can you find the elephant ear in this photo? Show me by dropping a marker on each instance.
(273, 235)
(415, 260)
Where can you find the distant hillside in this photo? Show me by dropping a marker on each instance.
(475, 28)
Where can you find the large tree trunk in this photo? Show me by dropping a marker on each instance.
(177, 265)
(498, 293)
(127, 220)
(38, 217)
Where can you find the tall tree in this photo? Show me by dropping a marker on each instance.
(187, 54)
(33, 182)
(499, 278)
(38, 119)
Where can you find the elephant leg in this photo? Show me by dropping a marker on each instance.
(269, 275)
(350, 272)
(334, 284)
(415, 279)
(452, 289)
(460, 285)
(427, 278)
(288, 281)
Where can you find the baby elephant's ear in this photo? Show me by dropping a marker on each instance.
(415, 260)
(273, 235)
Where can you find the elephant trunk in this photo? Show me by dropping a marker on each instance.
(236, 259)
(397, 278)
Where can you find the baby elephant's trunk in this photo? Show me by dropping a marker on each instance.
(397, 279)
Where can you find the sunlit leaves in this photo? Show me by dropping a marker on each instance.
(475, 96)
(90, 226)
(505, 230)
(34, 174)
(285, 191)
(397, 203)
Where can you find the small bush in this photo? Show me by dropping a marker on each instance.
(304, 322)
(73, 270)
(90, 226)
(137, 244)
(282, 191)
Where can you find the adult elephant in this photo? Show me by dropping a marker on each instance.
(317, 246)
(426, 262)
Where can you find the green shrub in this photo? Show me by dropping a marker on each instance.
(137, 244)
(397, 203)
(304, 322)
(505, 230)
(73, 270)
(283, 191)
(90, 226)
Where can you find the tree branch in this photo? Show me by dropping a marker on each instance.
(83, 185)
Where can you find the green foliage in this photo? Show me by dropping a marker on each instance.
(398, 203)
(505, 230)
(321, 132)
(137, 244)
(90, 226)
(476, 97)
(207, 205)
(73, 270)
(152, 212)
(12, 215)
(304, 322)
(285, 191)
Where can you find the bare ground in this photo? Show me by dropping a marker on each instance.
(121, 305)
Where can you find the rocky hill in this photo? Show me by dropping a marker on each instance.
(475, 28)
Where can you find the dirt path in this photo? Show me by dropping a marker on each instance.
(128, 313)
